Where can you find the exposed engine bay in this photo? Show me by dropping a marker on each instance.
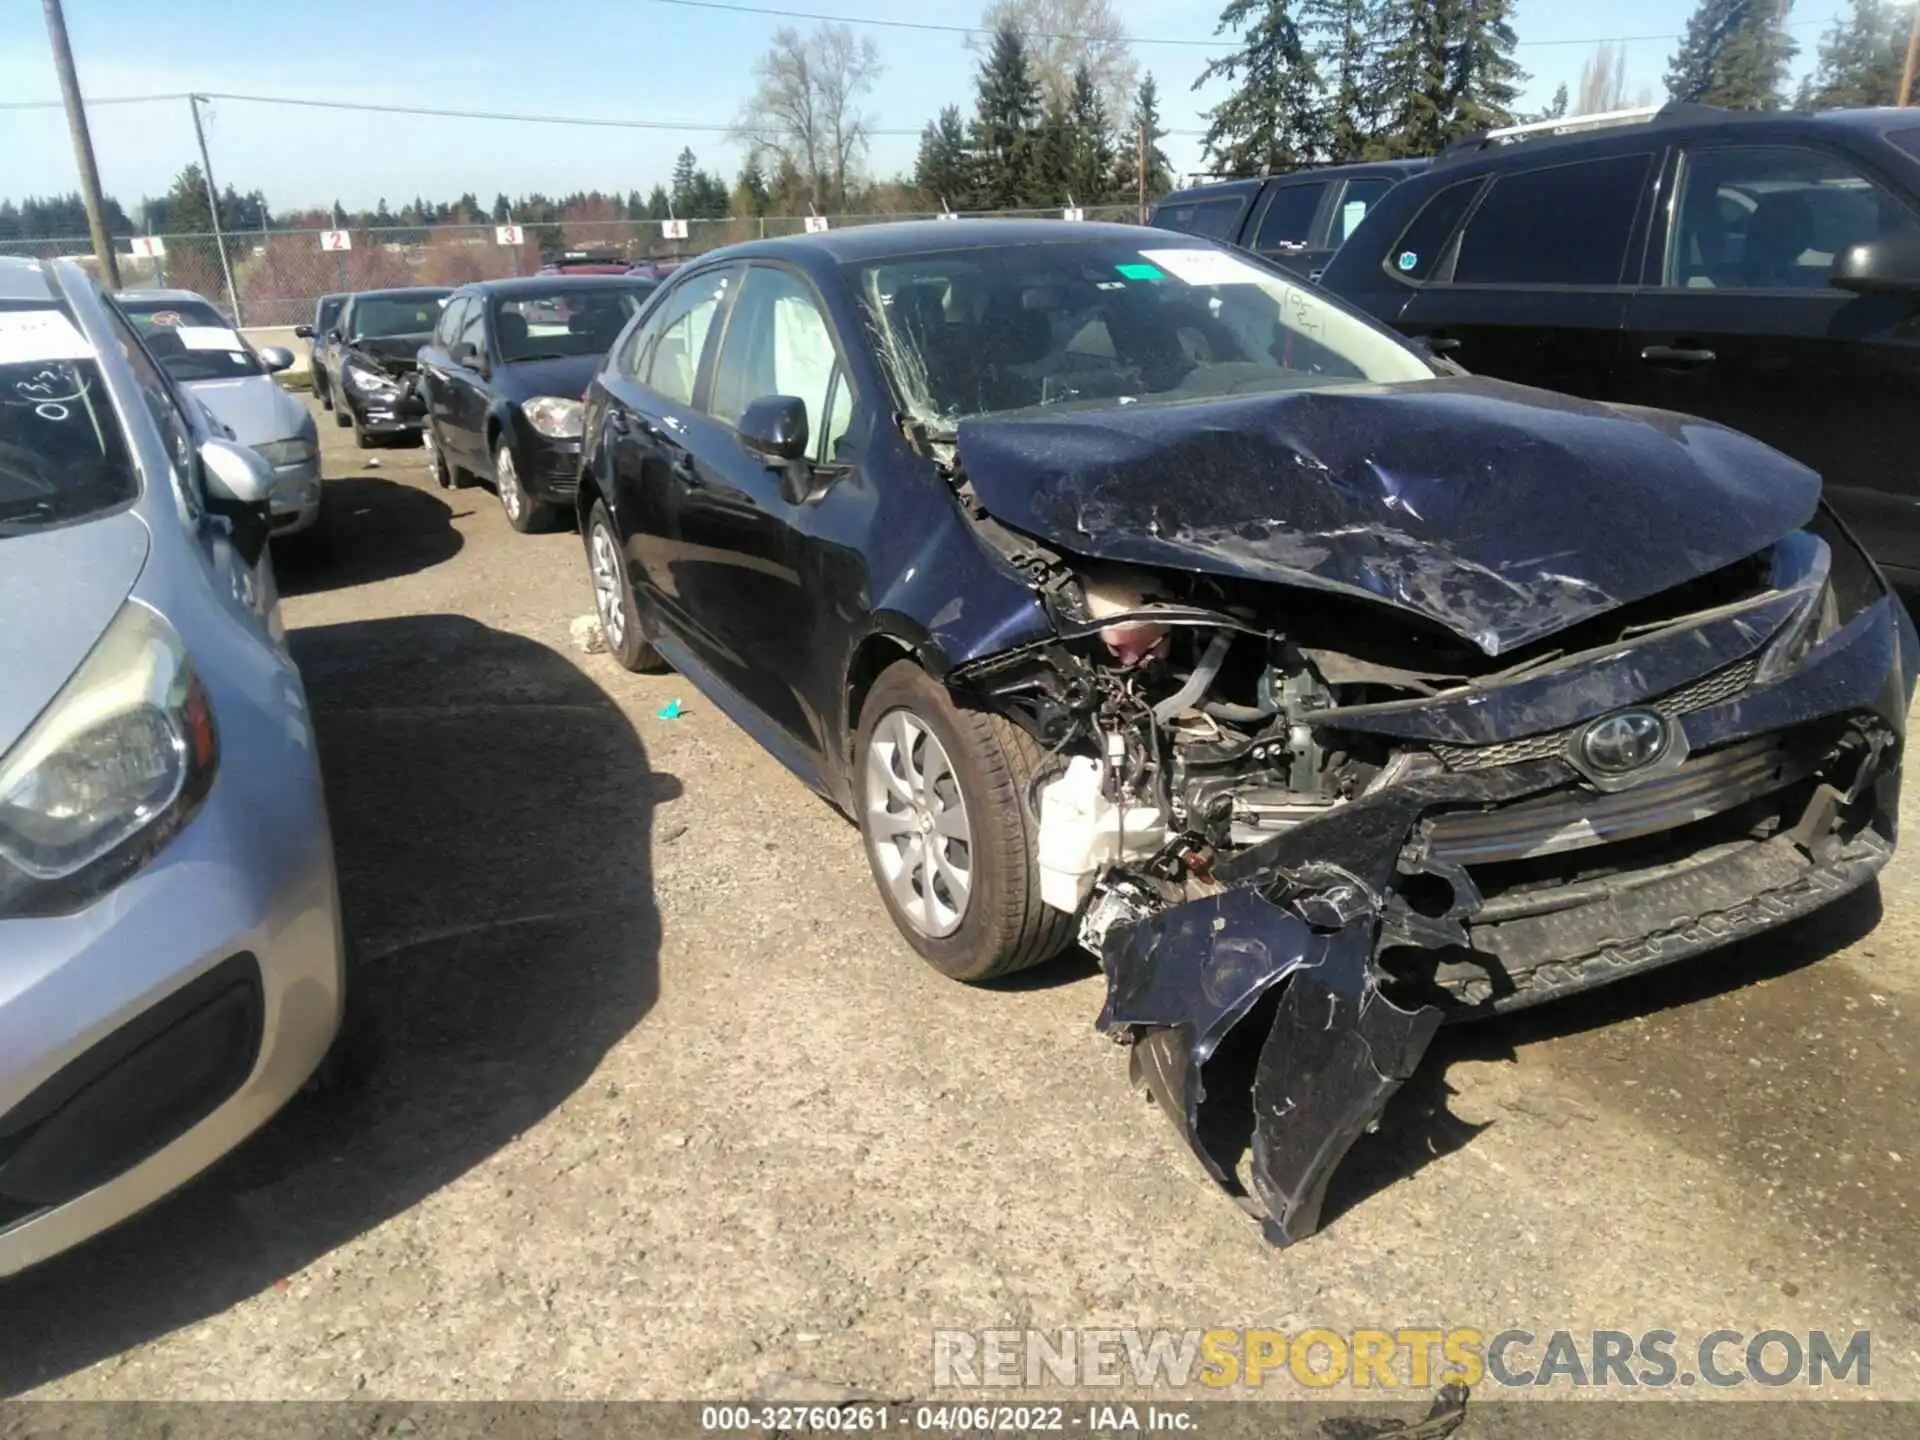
(1301, 830)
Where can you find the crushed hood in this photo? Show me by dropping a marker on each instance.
(396, 354)
(254, 409)
(1501, 512)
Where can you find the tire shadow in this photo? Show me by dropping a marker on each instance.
(492, 816)
(375, 529)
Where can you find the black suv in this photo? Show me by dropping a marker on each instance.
(1761, 270)
(1297, 220)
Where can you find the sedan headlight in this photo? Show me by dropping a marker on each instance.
(287, 452)
(361, 378)
(554, 417)
(114, 766)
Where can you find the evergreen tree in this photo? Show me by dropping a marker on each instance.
(1053, 156)
(1482, 76)
(944, 169)
(684, 170)
(1345, 39)
(1006, 117)
(1861, 57)
(657, 203)
(1090, 152)
(750, 190)
(1735, 53)
(1273, 120)
(1412, 68)
(1145, 121)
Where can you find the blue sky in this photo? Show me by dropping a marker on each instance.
(608, 58)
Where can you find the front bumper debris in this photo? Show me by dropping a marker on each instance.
(1274, 1019)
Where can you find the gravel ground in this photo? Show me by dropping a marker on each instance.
(664, 1109)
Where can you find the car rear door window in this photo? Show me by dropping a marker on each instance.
(473, 327)
(448, 330)
(1772, 217)
(1359, 197)
(1417, 253)
(1558, 225)
(1289, 217)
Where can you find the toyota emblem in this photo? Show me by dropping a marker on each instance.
(1625, 741)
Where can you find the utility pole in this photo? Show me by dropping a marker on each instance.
(82, 147)
(1913, 53)
(213, 208)
(1143, 169)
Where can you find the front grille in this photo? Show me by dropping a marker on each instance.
(1709, 690)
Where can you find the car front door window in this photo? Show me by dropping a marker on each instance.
(778, 343)
(1772, 217)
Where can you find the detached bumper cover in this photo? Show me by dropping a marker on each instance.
(1296, 940)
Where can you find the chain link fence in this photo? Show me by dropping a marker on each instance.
(278, 275)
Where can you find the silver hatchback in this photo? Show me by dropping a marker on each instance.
(171, 956)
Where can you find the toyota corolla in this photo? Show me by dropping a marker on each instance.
(1126, 590)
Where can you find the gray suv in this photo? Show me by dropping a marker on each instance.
(171, 957)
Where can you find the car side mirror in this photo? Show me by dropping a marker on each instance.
(1887, 266)
(303, 332)
(238, 485)
(774, 427)
(466, 353)
(276, 358)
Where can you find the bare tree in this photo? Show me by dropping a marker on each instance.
(804, 116)
(1062, 36)
(1603, 81)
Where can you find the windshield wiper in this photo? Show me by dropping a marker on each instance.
(522, 359)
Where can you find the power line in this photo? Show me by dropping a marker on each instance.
(89, 100)
(1216, 42)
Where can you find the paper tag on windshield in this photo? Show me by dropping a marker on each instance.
(28, 336)
(1208, 267)
(208, 337)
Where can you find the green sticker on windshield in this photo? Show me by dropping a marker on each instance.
(1141, 272)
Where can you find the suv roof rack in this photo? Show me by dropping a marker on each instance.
(1569, 125)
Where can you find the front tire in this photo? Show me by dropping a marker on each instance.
(948, 838)
(524, 513)
(613, 602)
(324, 395)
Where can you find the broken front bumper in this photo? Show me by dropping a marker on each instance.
(1328, 949)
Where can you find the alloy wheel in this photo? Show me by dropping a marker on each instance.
(513, 499)
(917, 828)
(604, 560)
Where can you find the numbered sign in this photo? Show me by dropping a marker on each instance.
(816, 224)
(335, 240)
(673, 229)
(151, 246)
(507, 235)
(1073, 212)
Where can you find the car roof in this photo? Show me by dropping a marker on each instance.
(163, 297)
(1400, 168)
(548, 284)
(922, 237)
(23, 279)
(405, 292)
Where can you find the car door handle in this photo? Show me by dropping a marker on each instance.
(1442, 344)
(1676, 355)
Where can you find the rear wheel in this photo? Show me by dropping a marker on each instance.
(613, 602)
(524, 513)
(947, 834)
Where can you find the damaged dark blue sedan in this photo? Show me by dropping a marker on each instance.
(1128, 591)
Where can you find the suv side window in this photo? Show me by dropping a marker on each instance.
(1417, 253)
(1289, 217)
(1213, 219)
(1559, 225)
(1772, 217)
(1359, 197)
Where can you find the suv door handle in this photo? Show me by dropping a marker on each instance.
(1676, 355)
